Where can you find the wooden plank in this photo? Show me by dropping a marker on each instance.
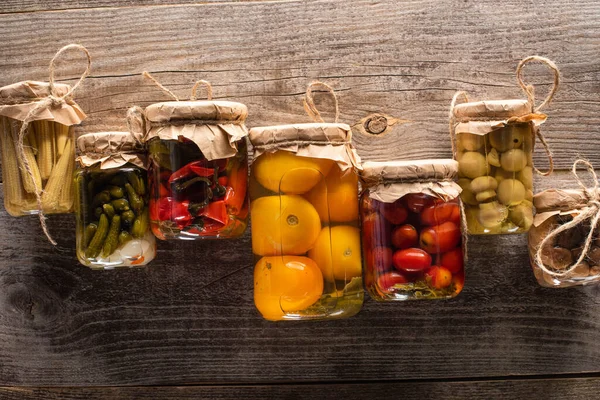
(548, 389)
(189, 318)
(23, 6)
(405, 59)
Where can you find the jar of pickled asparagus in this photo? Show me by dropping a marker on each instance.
(412, 230)
(564, 244)
(46, 160)
(113, 223)
(198, 169)
(305, 233)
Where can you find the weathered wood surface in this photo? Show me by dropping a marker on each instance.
(547, 389)
(402, 58)
(189, 318)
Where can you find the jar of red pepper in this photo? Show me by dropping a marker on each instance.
(198, 169)
(412, 230)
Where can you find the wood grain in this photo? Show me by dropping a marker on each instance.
(405, 59)
(554, 389)
(189, 318)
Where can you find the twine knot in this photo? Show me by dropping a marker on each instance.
(309, 102)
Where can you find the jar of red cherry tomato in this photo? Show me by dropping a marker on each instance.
(412, 230)
(198, 169)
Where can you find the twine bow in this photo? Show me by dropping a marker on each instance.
(530, 93)
(590, 212)
(53, 100)
(309, 102)
(209, 89)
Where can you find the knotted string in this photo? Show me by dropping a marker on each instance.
(451, 119)
(209, 90)
(53, 100)
(530, 93)
(590, 212)
(309, 103)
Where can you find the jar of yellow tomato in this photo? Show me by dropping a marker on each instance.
(305, 232)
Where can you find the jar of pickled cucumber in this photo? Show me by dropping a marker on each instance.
(305, 232)
(412, 230)
(564, 244)
(493, 142)
(48, 149)
(113, 223)
(198, 169)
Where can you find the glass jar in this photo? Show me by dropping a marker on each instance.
(198, 169)
(48, 149)
(561, 261)
(494, 149)
(305, 232)
(113, 223)
(412, 230)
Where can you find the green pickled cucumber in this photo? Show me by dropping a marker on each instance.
(124, 237)
(128, 217)
(135, 200)
(88, 233)
(137, 182)
(101, 198)
(95, 245)
(116, 191)
(120, 205)
(109, 210)
(98, 212)
(140, 225)
(112, 239)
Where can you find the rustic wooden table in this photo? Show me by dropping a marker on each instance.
(185, 327)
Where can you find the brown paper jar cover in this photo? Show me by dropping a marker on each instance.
(110, 150)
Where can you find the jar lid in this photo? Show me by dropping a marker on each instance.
(560, 199)
(436, 169)
(26, 91)
(107, 143)
(327, 133)
(492, 109)
(199, 110)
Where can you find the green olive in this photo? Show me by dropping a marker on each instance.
(486, 195)
(473, 165)
(491, 215)
(509, 137)
(521, 215)
(493, 158)
(471, 142)
(511, 192)
(526, 176)
(513, 160)
(483, 183)
(467, 195)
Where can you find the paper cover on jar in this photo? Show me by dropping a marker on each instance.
(110, 149)
(390, 181)
(552, 202)
(18, 99)
(482, 117)
(331, 141)
(215, 126)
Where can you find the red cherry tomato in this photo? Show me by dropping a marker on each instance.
(438, 277)
(387, 281)
(459, 282)
(453, 260)
(417, 201)
(395, 212)
(375, 231)
(411, 260)
(380, 259)
(440, 238)
(405, 236)
(438, 213)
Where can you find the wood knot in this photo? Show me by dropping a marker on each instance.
(376, 124)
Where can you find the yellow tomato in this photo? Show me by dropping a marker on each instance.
(337, 199)
(285, 172)
(337, 253)
(285, 284)
(286, 224)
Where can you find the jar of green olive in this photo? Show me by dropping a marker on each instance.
(111, 203)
